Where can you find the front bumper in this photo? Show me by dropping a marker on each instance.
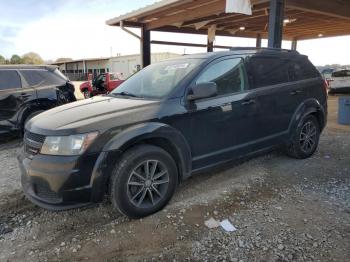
(61, 182)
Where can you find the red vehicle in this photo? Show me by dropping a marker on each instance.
(102, 84)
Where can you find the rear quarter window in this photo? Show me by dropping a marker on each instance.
(9, 79)
(38, 78)
(307, 69)
(267, 71)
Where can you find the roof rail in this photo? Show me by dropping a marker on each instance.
(264, 48)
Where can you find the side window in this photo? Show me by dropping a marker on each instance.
(39, 77)
(9, 79)
(229, 76)
(266, 71)
(113, 77)
(308, 70)
(294, 71)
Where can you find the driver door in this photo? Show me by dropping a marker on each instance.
(222, 126)
(100, 82)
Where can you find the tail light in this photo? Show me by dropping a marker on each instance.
(326, 85)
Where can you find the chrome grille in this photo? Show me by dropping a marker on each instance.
(34, 137)
(33, 143)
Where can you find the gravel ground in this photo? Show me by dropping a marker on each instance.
(284, 210)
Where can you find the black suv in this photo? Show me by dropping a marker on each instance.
(26, 91)
(170, 120)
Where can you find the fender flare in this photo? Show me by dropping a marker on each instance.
(153, 130)
(308, 107)
(32, 107)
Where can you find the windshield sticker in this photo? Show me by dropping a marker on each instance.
(178, 66)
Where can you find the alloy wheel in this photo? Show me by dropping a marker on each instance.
(148, 184)
(308, 137)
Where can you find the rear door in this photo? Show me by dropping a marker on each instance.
(278, 97)
(47, 85)
(13, 98)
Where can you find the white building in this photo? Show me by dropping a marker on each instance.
(127, 65)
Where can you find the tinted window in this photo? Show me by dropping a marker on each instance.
(294, 71)
(9, 79)
(308, 70)
(39, 77)
(266, 71)
(59, 74)
(227, 74)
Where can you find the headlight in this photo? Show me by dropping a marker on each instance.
(67, 145)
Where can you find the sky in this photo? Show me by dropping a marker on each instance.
(77, 29)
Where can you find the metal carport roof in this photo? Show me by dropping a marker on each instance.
(288, 19)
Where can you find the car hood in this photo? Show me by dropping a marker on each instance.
(97, 113)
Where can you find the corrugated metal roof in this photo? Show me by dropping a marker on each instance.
(145, 10)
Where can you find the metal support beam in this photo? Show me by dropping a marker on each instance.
(294, 44)
(210, 46)
(155, 42)
(145, 47)
(258, 41)
(276, 17)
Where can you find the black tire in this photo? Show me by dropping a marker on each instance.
(86, 94)
(305, 139)
(136, 193)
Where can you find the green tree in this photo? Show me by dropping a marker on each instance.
(2, 60)
(32, 59)
(15, 60)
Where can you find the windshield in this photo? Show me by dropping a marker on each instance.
(157, 80)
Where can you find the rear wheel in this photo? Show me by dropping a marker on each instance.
(305, 139)
(143, 181)
(86, 94)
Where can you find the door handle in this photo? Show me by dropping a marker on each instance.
(248, 102)
(295, 92)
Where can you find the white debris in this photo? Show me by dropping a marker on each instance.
(212, 223)
(227, 226)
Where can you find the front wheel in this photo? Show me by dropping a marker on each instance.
(305, 139)
(143, 181)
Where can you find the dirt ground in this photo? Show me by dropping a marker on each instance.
(284, 210)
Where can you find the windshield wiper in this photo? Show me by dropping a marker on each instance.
(125, 94)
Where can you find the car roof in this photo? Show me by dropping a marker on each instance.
(47, 67)
(242, 51)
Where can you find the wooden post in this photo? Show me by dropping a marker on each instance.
(145, 47)
(276, 17)
(294, 44)
(258, 41)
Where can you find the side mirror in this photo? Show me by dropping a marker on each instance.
(203, 90)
